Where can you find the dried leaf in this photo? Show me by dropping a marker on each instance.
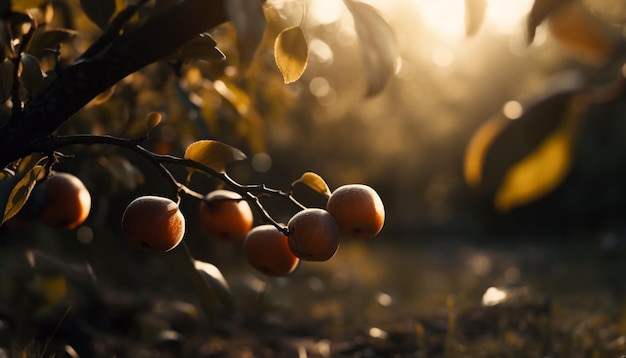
(378, 46)
(213, 154)
(540, 11)
(543, 169)
(21, 192)
(100, 12)
(585, 36)
(291, 53)
(475, 11)
(315, 182)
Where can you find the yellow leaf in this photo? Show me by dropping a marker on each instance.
(291, 53)
(21, 192)
(581, 33)
(152, 120)
(315, 182)
(543, 169)
(478, 146)
(213, 154)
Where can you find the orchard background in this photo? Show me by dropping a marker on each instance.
(492, 131)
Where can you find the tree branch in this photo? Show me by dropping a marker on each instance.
(80, 82)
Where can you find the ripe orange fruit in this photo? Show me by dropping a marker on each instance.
(67, 201)
(225, 216)
(358, 209)
(154, 223)
(267, 250)
(313, 235)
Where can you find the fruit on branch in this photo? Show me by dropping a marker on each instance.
(313, 235)
(358, 209)
(154, 223)
(267, 250)
(225, 215)
(67, 201)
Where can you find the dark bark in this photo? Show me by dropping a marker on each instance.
(80, 82)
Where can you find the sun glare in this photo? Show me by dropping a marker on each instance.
(446, 18)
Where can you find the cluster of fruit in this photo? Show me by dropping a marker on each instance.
(313, 234)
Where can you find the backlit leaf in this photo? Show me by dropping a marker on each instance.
(543, 169)
(478, 146)
(152, 120)
(585, 36)
(315, 182)
(202, 47)
(21, 192)
(213, 154)
(540, 11)
(237, 97)
(100, 11)
(377, 44)
(214, 277)
(475, 11)
(291, 53)
(515, 131)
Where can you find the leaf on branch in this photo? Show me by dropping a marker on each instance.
(291, 53)
(152, 120)
(315, 182)
(215, 279)
(21, 192)
(202, 47)
(475, 11)
(45, 40)
(99, 12)
(32, 77)
(247, 18)
(378, 46)
(213, 154)
(540, 11)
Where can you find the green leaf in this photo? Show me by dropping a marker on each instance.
(32, 77)
(291, 53)
(21, 192)
(213, 154)
(475, 11)
(99, 11)
(378, 46)
(315, 182)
